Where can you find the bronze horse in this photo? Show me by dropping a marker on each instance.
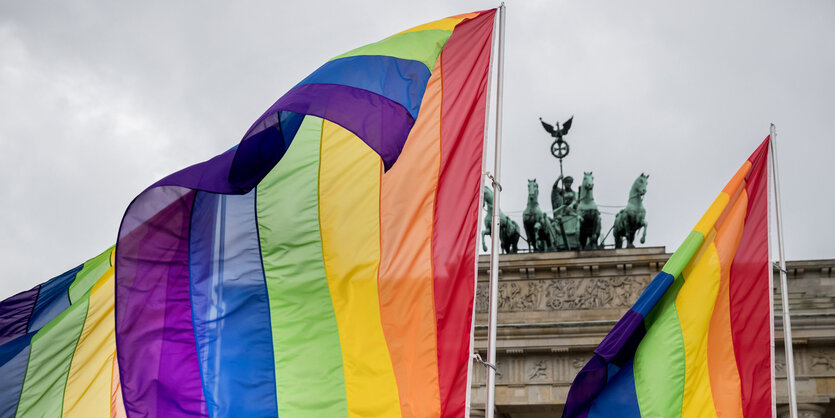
(508, 228)
(589, 214)
(633, 217)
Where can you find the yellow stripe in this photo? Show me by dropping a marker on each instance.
(89, 383)
(694, 304)
(349, 209)
(443, 24)
(708, 220)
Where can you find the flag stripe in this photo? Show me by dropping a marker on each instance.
(695, 321)
(91, 271)
(749, 294)
(15, 313)
(231, 307)
(405, 277)
(349, 206)
(464, 64)
(53, 299)
(659, 360)
(87, 392)
(310, 381)
(50, 357)
(399, 80)
(382, 123)
(443, 24)
(721, 361)
(618, 399)
(423, 46)
(154, 330)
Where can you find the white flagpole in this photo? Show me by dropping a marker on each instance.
(490, 401)
(784, 289)
(769, 213)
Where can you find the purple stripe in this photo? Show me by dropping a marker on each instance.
(211, 176)
(154, 334)
(380, 122)
(15, 312)
(617, 348)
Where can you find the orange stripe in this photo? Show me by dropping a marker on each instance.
(736, 180)
(407, 304)
(724, 376)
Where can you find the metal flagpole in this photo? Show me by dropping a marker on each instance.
(769, 214)
(490, 401)
(784, 289)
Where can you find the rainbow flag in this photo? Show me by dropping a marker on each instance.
(58, 348)
(698, 340)
(323, 267)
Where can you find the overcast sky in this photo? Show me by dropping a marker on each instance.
(100, 99)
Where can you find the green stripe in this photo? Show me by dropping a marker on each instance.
(423, 46)
(310, 381)
(675, 265)
(50, 358)
(659, 361)
(92, 271)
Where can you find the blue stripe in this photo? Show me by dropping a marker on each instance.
(231, 307)
(53, 299)
(653, 293)
(401, 80)
(14, 357)
(618, 398)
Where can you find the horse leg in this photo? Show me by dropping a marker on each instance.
(644, 235)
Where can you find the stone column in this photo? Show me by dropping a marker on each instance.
(804, 410)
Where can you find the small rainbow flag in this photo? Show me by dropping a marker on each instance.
(324, 267)
(698, 340)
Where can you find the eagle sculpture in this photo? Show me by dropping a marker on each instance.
(559, 132)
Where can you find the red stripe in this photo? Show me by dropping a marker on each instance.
(749, 295)
(464, 63)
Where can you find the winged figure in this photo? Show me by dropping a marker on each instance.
(558, 132)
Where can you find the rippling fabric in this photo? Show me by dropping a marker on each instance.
(325, 265)
(321, 267)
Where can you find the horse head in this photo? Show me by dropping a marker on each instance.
(639, 187)
(533, 188)
(588, 181)
(488, 197)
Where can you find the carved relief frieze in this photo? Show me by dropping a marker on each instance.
(819, 361)
(564, 294)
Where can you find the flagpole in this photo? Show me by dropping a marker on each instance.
(784, 289)
(490, 401)
(769, 213)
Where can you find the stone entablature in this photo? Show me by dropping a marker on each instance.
(554, 308)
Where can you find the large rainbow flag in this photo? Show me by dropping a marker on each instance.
(697, 343)
(324, 267)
